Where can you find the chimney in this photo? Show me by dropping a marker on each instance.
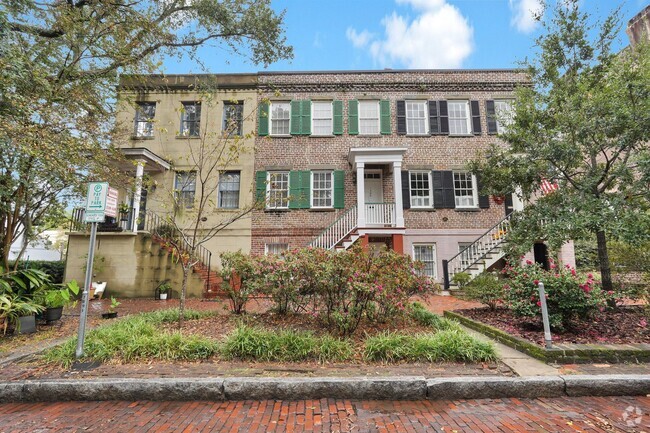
(638, 28)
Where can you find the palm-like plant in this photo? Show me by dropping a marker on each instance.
(12, 307)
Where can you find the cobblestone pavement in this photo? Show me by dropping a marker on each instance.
(593, 414)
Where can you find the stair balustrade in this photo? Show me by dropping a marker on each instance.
(337, 231)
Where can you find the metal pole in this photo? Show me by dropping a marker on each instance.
(81, 334)
(445, 273)
(547, 326)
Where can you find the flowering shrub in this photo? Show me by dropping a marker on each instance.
(486, 289)
(339, 288)
(237, 273)
(568, 294)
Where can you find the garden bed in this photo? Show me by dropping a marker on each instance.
(625, 325)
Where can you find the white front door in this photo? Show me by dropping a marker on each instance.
(374, 197)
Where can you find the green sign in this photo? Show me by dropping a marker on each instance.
(96, 202)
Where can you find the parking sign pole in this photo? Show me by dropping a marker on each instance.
(85, 295)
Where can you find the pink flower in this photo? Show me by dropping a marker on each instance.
(573, 272)
(528, 262)
(536, 282)
(643, 323)
(553, 266)
(590, 276)
(539, 303)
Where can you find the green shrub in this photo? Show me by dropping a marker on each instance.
(569, 295)
(256, 344)
(487, 289)
(238, 283)
(137, 338)
(453, 345)
(55, 269)
(426, 318)
(461, 279)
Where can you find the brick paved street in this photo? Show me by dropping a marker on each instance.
(594, 414)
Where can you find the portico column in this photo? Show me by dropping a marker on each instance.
(361, 195)
(139, 172)
(397, 180)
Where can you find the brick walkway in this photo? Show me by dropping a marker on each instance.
(595, 414)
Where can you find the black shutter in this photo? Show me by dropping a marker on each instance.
(443, 189)
(476, 117)
(491, 117)
(434, 124)
(401, 117)
(443, 115)
(510, 206)
(406, 191)
(483, 200)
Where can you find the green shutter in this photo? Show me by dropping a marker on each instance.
(299, 186)
(353, 117)
(263, 119)
(337, 111)
(384, 121)
(306, 117)
(260, 186)
(339, 189)
(296, 118)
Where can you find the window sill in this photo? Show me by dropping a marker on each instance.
(418, 135)
(140, 137)
(322, 135)
(370, 135)
(422, 209)
(188, 137)
(228, 209)
(462, 135)
(277, 210)
(322, 209)
(467, 209)
(282, 136)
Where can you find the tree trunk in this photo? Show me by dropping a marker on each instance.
(603, 258)
(181, 307)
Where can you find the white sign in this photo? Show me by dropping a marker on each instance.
(111, 203)
(96, 202)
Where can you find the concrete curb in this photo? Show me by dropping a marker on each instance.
(357, 388)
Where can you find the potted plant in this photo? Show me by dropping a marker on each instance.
(57, 298)
(111, 314)
(19, 313)
(124, 208)
(164, 289)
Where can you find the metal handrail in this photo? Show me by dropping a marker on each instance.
(337, 231)
(477, 250)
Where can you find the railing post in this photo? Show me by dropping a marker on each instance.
(209, 267)
(445, 273)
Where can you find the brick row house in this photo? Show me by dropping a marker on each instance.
(370, 157)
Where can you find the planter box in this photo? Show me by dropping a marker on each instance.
(112, 315)
(53, 314)
(27, 324)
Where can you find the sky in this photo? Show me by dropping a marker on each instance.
(402, 34)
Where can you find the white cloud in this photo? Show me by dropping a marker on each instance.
(524, 12)
(359, 40)
(438, 37)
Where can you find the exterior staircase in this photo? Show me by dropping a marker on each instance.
(479, 256)
(341, 234)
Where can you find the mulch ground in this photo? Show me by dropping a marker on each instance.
(628, 324)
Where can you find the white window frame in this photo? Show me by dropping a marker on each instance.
(474, 191)
(434, 261)
(503, 111)
(183, 180)
(221, 190)
(430, 196)
(425, 119)
(276, 248)
(232, 123)
(331, 189)
(377, 118)
(330, 130)
(148, 122)
(268, 189)
(186, 129)
(467, 117)
(273, 120)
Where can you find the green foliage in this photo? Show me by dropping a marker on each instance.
(586, 254)
(486, 289)
(426, 318)
(137, 338)
(62, 296)
(569, 295)
(55, 270)
(12, 307)
(453, 345)
(260, 345)
(114, 304)
(583, 124)
(461, 279)
(237, 273)
(341, 288)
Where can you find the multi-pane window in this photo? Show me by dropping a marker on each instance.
(277, 188)
(420, 186)
(233, 118)
(426, 253)
(416, 117)
(503, 111)
(464, 253)
(190, 119)
(459, 117)
(280, 118)
(229, 190)
(277, 249)
(321, 189)
(368, 117)
(144, 115)
(185, 188)
(465, 191)
(321, 117)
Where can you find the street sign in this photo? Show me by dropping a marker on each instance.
(96, 202)
(111, 203)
